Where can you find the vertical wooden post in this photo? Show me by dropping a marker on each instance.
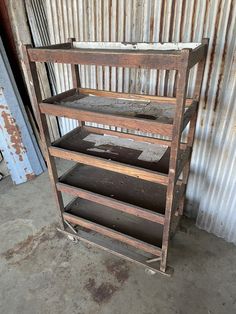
(192, 126)
(74, 70)
(42, 123)
(182, 79)
(75, 75)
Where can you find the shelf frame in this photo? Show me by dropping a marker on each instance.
(113, 203)
(149, 59)
(138, 244)
(179, 60)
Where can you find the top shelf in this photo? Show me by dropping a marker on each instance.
(169, 56)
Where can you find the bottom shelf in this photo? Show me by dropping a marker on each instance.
(110, 221)
(116, 248)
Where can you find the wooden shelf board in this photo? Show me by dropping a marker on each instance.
(138, 112)
(108, 221)
(111, 202)
(132, 108)
(116, 248)
(150, 57)
(117, 186)
(98, 143)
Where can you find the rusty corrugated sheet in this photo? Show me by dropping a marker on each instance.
(210, 193)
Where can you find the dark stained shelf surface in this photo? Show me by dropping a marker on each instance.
(135, 227)
(148, 195)
(149, 156)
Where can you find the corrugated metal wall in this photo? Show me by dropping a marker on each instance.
(211, 190)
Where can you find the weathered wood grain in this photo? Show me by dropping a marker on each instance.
(113, 234)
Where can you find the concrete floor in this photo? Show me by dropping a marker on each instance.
(43, 272)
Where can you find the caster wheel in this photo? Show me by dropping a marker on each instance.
(72, 238)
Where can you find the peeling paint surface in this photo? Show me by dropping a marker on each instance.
(12, 147)
(17, 142)
(12, 129)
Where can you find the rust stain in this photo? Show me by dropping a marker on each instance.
(223, 59)
(26, 247)
(162, 21)
(3, 107)
(172, 19)
(21, 247)
(151, 27)
(30, 176)
(102, 293)
(15, 134)
(193, 20)
(212, 54)
(119, 269)
(181, 33)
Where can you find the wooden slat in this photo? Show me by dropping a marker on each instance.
(141, 97)
(129, 170)
(110, 202)
(189, 113)
(104, 118)
(131, 59)
(185, 156)
(60, 96)
(113, 234)
(102, 93)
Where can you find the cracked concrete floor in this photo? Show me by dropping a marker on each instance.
(43, 272)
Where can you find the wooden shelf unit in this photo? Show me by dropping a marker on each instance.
(127, 188)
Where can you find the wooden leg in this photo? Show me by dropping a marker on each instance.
(174, 156)
(75, 77)
(36, 97)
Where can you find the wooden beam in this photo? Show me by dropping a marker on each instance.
(60, 96)
(113, 203)
(174, 153)
(113, 234)
(116, 248)
(184, 157)
(116, 58)
(189, 113)
(107, 94)
(129, 170)
(139, 97)
(43, 127)
(143, 125)
(197, 55)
